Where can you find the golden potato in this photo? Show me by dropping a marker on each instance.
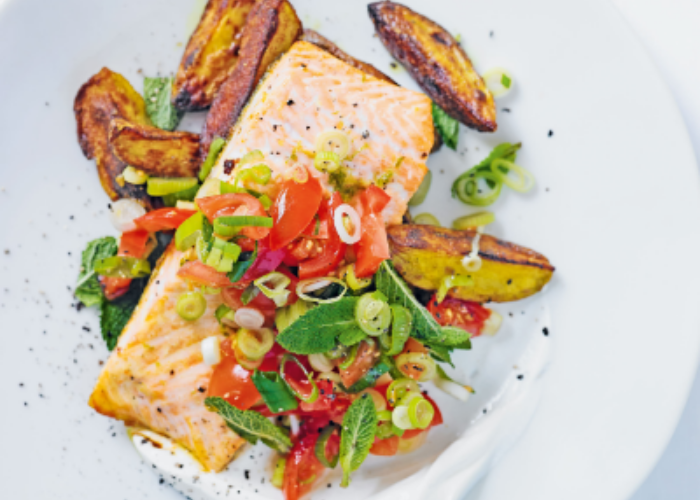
(157, 152)
(211, 54)
(424, 255)
(437, 62)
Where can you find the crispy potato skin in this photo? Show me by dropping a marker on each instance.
(157, 152)
(319, 40)
(211, 54)
(424, 255)
(272, 27)
(108, 95)
(437, 62)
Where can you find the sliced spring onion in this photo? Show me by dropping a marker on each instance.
(349, 357)
(214, 150)
(225, 316)
(214, 258)
(185, 205)
(418, 361)
(161, 186)
(420, 413)
(384, 416)
(211, 351)
(353, 282)
(332, 376)
(344, 232)
(123, 267)
(207, 290)
(305, 287)
(309, 376)
(474, 220)
(419, 196)
(265, 201)
(229, 226)
(134, 176)
(249, 294)
(385, 429)
(449, 282)
(299, 174)
(377, 399)
(203, 247)
(242, 266)
(259, 174)
(211, 187)
(400, 418)
(426, 219)
(399, 388)
(373, 314)
(191, 306)
(254, 344)
(278, 293)
(320, 363)
(123, 212)
(326, 161)
(401, 327)
(226, 188)
(408, 397)
(471, 191)
(334, 141)
(337, 352)
(285, 316)
(524, 180)
(188, 232)
(249, 317)
(453, 389)
(170, 200)
(472, 261)
(498, 81)
(320, 450)
(492, 324)
(278, 474)
(251, 156)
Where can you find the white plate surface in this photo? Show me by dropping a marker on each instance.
(615, 209)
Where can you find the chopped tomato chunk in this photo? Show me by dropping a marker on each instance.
(333, 247)
(201, 274)
(294, 209)
(232, 204)
(163, 219)
(367, 356)
(373, 247)
(469, 316)
(385, 447)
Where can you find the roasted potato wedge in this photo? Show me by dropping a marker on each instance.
(437, 62)
(211, 54)
(157, 152)
(424, 255)
(108, 95)
(272, 27)
(320, 41)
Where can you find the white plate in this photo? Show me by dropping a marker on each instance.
(615, 209)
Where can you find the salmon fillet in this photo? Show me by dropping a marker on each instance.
(308, 92)
(156, 378)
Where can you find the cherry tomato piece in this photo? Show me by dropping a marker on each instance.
(333, 247)
(469, 316)
(201, 274)
(163, 219)
(294, 209)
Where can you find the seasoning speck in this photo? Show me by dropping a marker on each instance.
(246, 473)
(545, 330)
(551, 133)
(520, 377)
(290, 102)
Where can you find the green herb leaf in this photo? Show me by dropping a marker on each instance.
(88, 290)
(317, 329)
(505, 81)
(447, 126)
(274, 391)
(250, 425)
(240, 267)
(441, 353)
(170, 200)
(357, 436)
(156, 92)
(352, 336)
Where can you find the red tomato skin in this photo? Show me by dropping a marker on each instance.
(375, 199)
(334, 248)
(133, 243)
(231, 381)
(367, 356)
(294, 209)
(373, 247)
(385, 447)
(163, 219)
(198, 272)
(114, 288)
(225, 205)
(303, 468)
(469, 316)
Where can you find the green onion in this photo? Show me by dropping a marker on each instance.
(349, 357)
(274, 391)
(498, 81)
(170, 200)
(449, 282)
(211, 187)
(266, 201)
(226, 188)
(188, 232)
(304, 287)
(401, 327)
(214, 150)
(249, 294)
(384, 416)
(122, 267)
(203, 248)
(474, 220)
(506, 81)
(400, 418)
(396, 430)
(251, 156)
(285, 316)
(278, 475)
(420, 413)
(134, 176)
(191, 306)
(229, 249)
(419, 196)
(214, 258)
(255, 343)
(161, 186)
(385, 429)
(240, 267)
(278, 293)
(326, 161)
(407, 398)
(333, 141)
(337, 352)
(225, 315)
(373, 314)
(228, 226)
(314, 392)
(320, 448)
(420, 362)
(470, 191)
(524, 181)
(259, 174)
(354, 283)
(399, 388)
(426, 219)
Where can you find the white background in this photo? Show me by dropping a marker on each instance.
(670, 31)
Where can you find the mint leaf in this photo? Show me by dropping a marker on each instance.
(156, 92)
(352, 336)
(251, 425)
(317, 329)
(357, 436)
(88, 290)
(447, 126)
(274, 391)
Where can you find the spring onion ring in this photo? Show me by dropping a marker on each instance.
(400, 418)
(385, 429)
(479, 219)
(449, 282)
(309, 376)
(320, 448)
(524, 181)
(211, 187)
(401, 327)
(249, 317)
(384, 416)
(333, 141)
(191, 306)
(278, 293)
(377, 399)
(214, 150)
(320, 363)
(426, 219)
(326, 161)
(123, 212)
(420, 413)
(420, 362)
(251, 156)
(468, 188)
(353, 282)
(134, 176)
(399, 388)
(304, 287)
(498, 81)
(278, 475)
(373, 314)
(254, 344)
(338, 219)
(188, 232)
(419, 196)
(259, 174)
(161, 186)
(349, 357)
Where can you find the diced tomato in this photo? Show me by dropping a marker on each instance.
(317, 229)
(367, 356)
(201, 274)
(232, 298)
(373, 247)
(114, 288)
(469, 316)
(325, 398)
(385, 447)
(163, 219)
(294, 208)
(230, 204)
(303, 468)
(133, 243)
(333, 247)
(292, 287)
